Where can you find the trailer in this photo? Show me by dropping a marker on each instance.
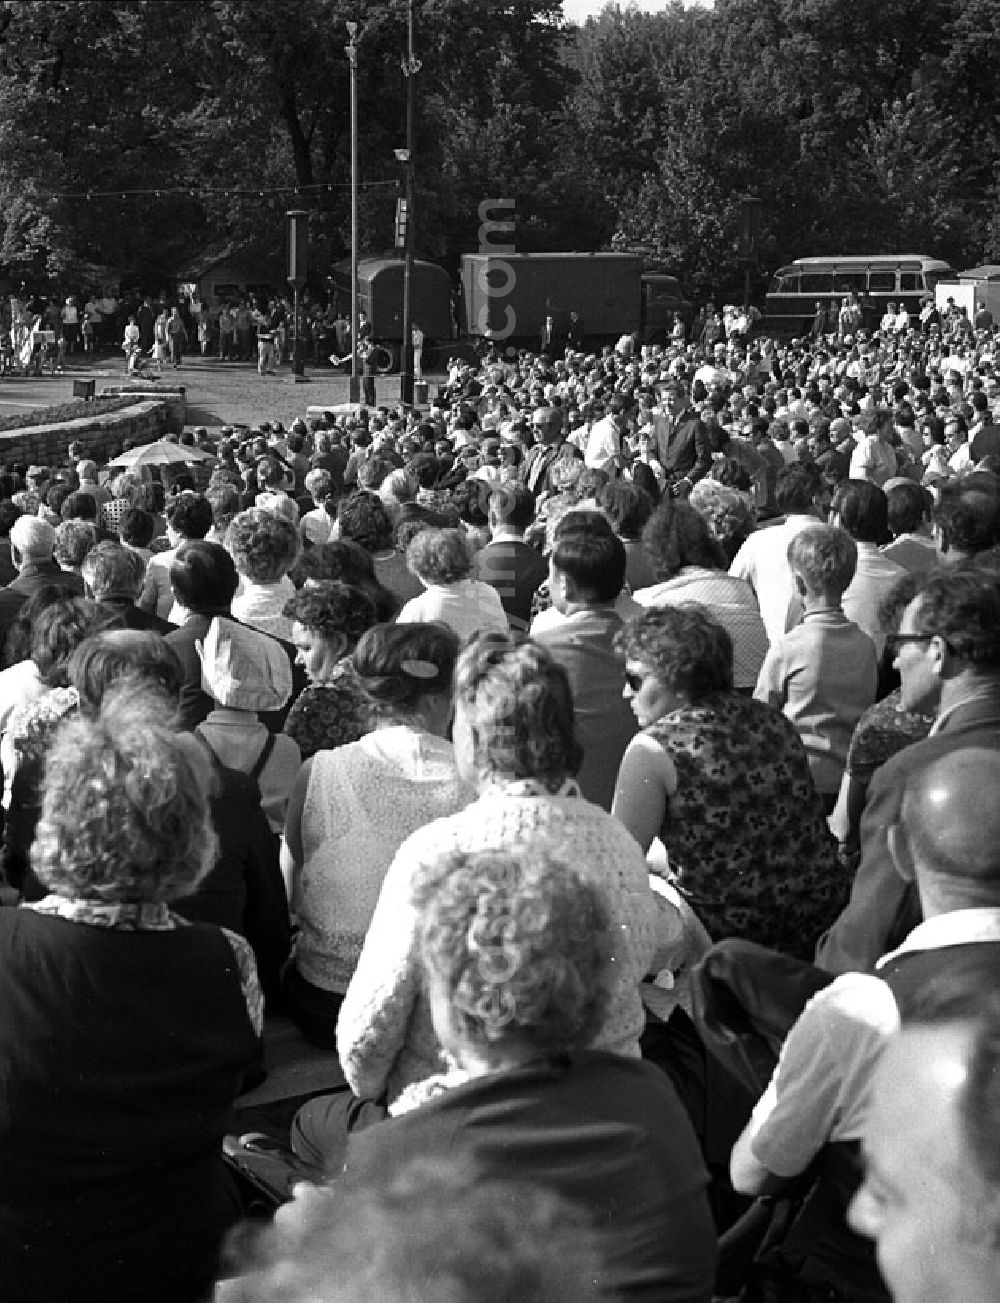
(508, 297)
(380, 297)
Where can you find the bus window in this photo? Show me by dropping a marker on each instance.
(844, 282)
(932, 277)
(910, 281)
(816, 282)
(785, 282)
(882, 282)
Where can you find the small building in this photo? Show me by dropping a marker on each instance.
(230, 273)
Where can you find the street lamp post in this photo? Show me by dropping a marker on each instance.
(354, 393)
(411, 67)
(298, 256)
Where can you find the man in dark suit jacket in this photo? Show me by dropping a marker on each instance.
(547, 425)
(683, 444)
(32, 541)
(114, 577)
(511, 566)
(948, 657)
(204, 581)
(549, 339)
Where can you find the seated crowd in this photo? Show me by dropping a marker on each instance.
(598, 762)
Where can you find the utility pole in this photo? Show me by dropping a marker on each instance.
(351, 50)
(411, 67)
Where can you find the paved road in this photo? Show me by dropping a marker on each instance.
(218, 393)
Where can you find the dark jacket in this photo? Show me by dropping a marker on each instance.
(195, 703)
(883, 908)
(123, 1053)
(33, 577)
(515, 570)
(684, 449)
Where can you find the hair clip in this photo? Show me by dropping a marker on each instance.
(418, 669)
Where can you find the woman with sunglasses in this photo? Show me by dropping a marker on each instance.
(724, 782)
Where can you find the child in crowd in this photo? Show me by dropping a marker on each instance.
(823, 673)
(245, 672)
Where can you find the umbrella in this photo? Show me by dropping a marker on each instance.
(162, 453)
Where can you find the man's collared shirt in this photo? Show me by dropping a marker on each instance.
(820, 1090)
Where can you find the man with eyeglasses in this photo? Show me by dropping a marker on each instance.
(947, 653)
(818, 1103)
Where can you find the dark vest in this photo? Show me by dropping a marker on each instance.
(908, 975)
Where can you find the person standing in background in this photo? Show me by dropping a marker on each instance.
(71, 324)
(177, 336)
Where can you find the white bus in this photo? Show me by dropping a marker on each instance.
(877, 280)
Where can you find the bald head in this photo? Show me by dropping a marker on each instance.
(948, 837)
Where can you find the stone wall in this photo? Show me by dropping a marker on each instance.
(175, 399)
(152, 417)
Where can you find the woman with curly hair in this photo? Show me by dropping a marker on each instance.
(513, 948)
(74, 539)
(352, 807)
(363, 518)
(264, 546)
(514, 739)
(728, 512)
(442, 559)
(316, 525)
(690, 566)
(724, 782)
(126, 1031)
(349, 563)
(432, 1229)
(327, 620)
(56, 632)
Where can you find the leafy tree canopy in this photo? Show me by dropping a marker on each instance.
(137, 134)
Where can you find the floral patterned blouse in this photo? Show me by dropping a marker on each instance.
(331, 713)
(745, 832)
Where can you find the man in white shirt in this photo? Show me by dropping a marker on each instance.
(956, 433)
(863, 510)
(714, 372)
(604, 443)
(873, 458)
(763, 559)
(946, 839)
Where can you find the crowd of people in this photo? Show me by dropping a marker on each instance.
(45, 334)
(598, 760)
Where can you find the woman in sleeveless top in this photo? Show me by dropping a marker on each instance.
(353, 806)
(724, 782)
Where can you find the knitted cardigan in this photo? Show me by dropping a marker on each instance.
(385, 1036)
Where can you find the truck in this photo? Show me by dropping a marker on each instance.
(380, 297)
(506, 298)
